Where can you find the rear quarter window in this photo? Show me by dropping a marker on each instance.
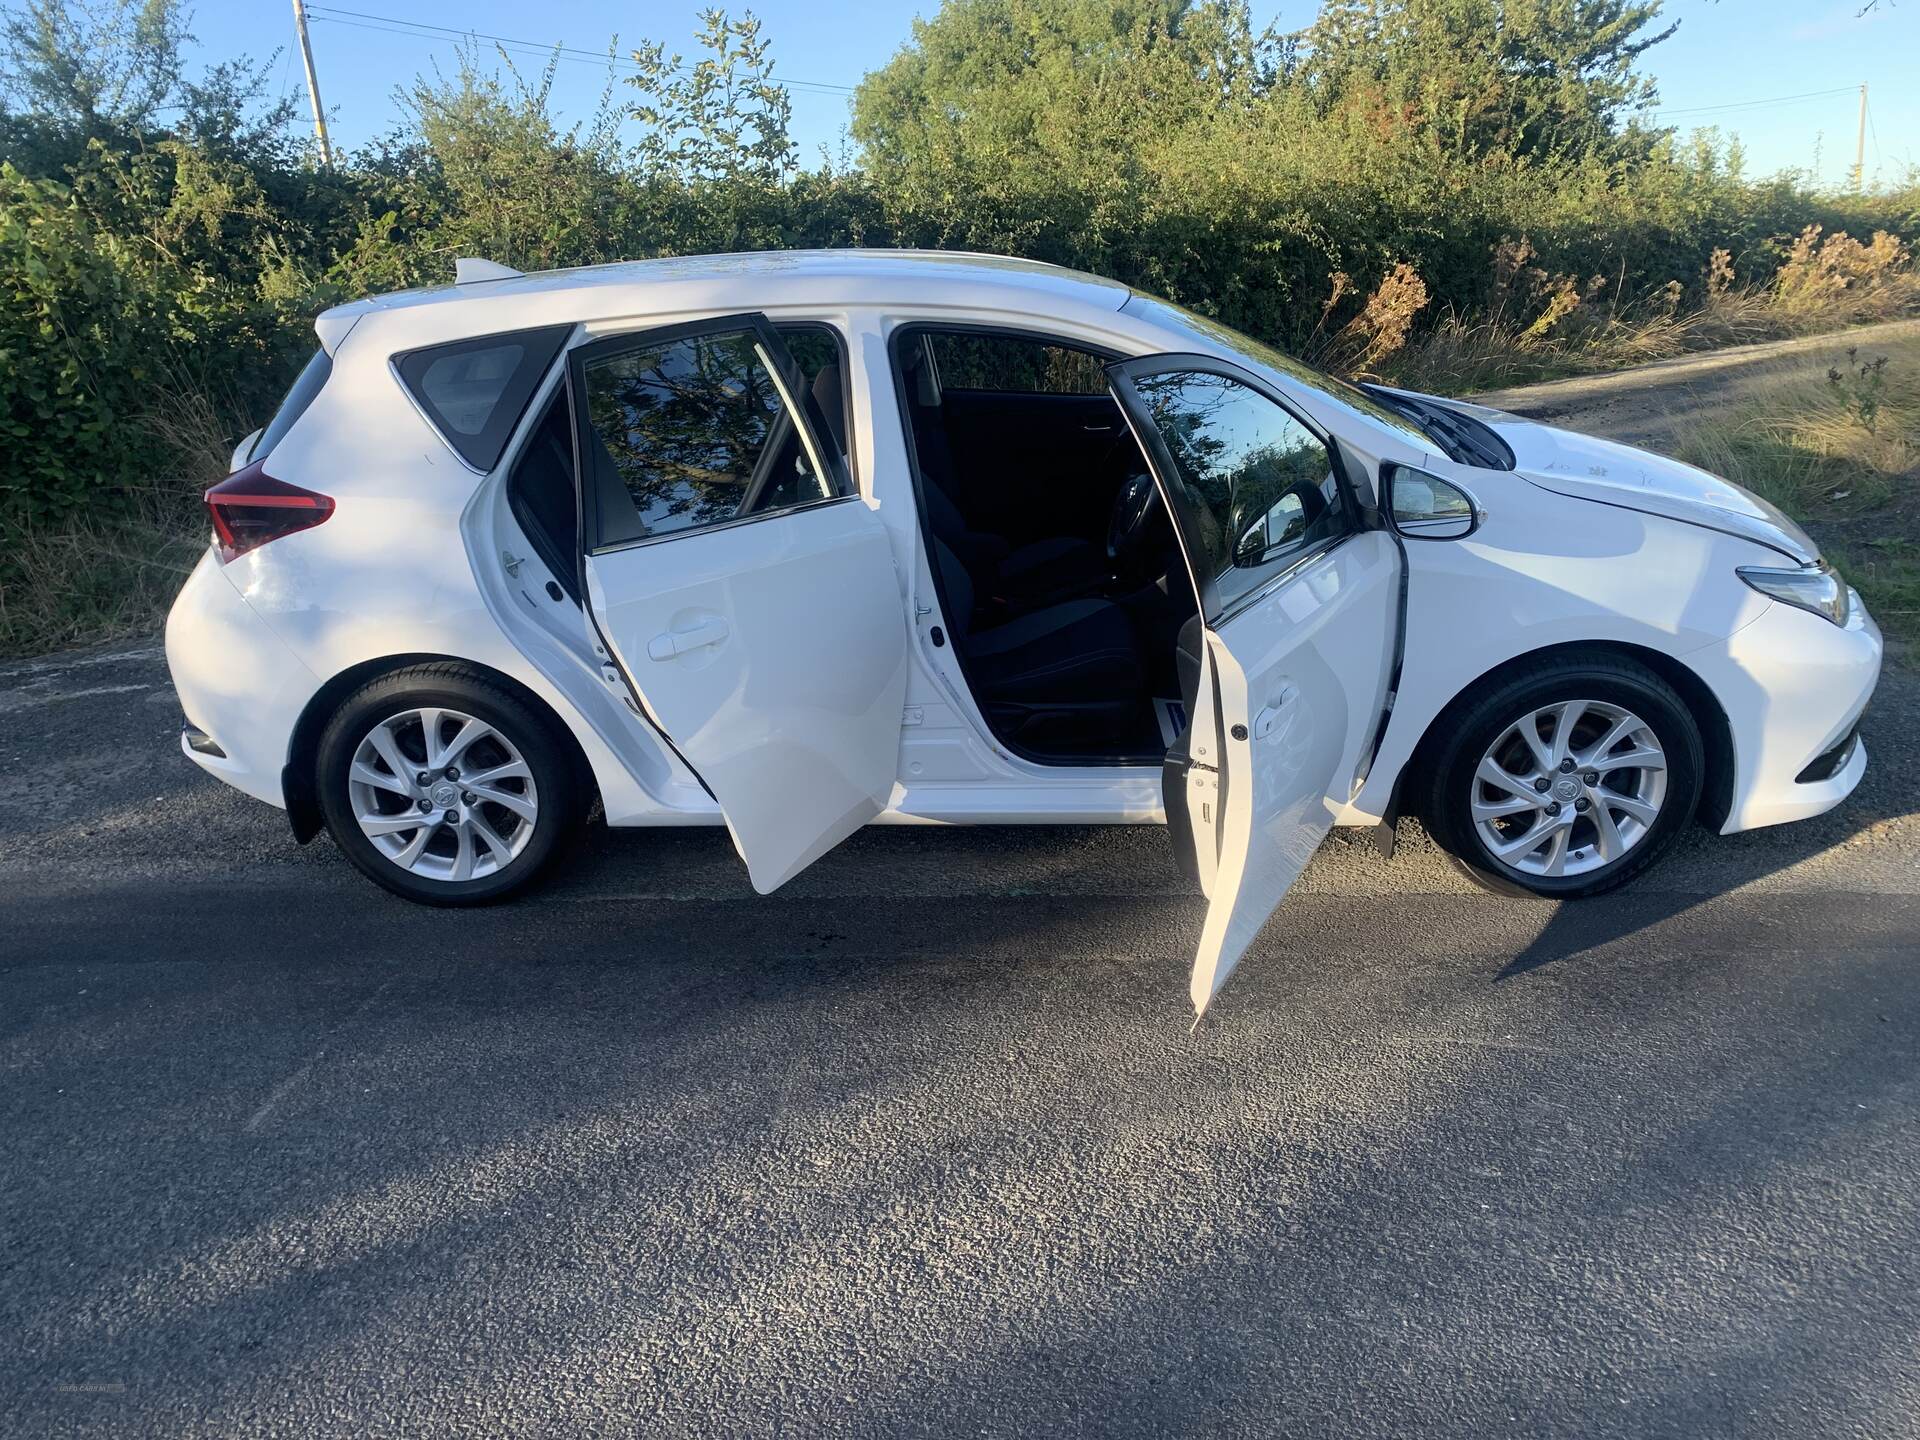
(309, 383)
(475, 391)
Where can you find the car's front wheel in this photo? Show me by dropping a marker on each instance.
(1567, 778)
(446, 787)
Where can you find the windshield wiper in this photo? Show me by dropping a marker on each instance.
(1465, 440)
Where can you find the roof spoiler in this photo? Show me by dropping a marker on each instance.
(467, 269)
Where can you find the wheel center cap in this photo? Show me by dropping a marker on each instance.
(1566, 788)
(445, 794)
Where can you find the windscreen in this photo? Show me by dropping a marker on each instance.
(1248, 348)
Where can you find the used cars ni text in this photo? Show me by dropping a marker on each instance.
(797, 542)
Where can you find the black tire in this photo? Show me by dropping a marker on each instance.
(1446, 786)
(558, 786)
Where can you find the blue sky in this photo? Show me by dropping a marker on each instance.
(1727, 56)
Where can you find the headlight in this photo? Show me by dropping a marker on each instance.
(1814, 588)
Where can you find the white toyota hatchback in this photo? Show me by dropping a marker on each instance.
(798, 541)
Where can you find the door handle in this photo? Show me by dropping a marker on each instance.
(1267, 719)
(670, 643)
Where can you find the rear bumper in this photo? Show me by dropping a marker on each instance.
(242, 689)
(1793, 687)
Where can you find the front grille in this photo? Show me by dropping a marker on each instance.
(1830, 763)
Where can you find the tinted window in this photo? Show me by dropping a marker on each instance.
(306, 387)
(816, 353)
(693, 431)
(474, 391)
(1257, 486)
(540, 487)
(1012, 363)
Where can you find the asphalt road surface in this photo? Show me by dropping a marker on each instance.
(923, 1144)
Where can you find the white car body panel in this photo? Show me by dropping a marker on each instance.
(252, 707)
(790, 711)
(422, 558)
(1792, 685)
(1543, 571)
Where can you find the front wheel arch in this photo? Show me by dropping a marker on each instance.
(1716, 734)
(298, 780)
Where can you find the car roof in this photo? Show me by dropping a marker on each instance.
(749, 281)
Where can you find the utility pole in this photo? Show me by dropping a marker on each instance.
(320, 115)
(1859, 145)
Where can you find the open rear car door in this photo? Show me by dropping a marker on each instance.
(1300, 608)
(746, 590)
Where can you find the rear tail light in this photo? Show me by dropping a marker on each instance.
(250, 507)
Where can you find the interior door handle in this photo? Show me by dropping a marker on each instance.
(670, 643)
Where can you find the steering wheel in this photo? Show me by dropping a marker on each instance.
(1138, 499)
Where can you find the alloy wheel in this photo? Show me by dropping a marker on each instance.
(1569, 788)
(442, 794)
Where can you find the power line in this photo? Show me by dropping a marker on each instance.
(361, 20)
(1769, 100)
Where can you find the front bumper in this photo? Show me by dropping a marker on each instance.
(242, 689)
(1793, 687)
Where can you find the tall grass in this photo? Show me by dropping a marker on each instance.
(1540, 326)
(95, 578)
(1838, 448)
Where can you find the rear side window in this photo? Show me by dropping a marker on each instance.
(690, 431)
(474, 391)
(1011, 364)
(309, 384)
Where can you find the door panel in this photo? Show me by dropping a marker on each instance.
(749, 597)
(1300, 609)
(1302, 672)
(773, 655)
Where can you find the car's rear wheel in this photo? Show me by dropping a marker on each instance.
(1567, 778)
(445, 787)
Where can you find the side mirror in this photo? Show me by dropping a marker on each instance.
(1425, 507)
(244, 449)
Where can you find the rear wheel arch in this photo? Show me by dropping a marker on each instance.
(298, 780)
(1716, 734)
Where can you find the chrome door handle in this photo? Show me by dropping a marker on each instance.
(670, 643)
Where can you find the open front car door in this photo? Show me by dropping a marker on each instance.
(746, 591)
(1299, 593)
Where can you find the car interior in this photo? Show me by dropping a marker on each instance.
(1058, 570)
(1059, 575)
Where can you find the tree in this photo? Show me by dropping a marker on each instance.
(1034, 82)
(1480, 78)
(75, 71)
(97, 67)
(485, 169)
(726, 118)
